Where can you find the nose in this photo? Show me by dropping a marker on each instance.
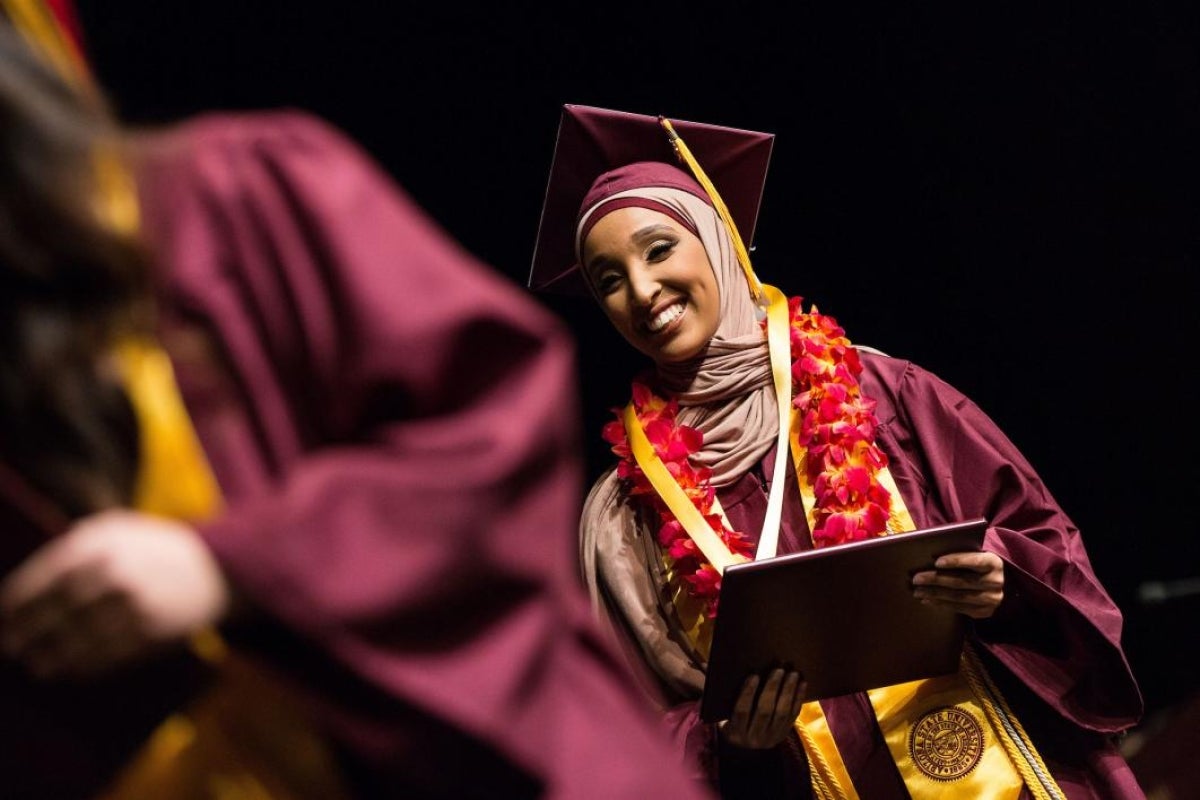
(643, 285)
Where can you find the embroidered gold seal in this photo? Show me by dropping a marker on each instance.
(946, 743)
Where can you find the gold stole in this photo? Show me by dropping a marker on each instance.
(242, 739)
(953, 733)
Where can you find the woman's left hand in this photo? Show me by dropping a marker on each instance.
(761, 720)
(969, 583)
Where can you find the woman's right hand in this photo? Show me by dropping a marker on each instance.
(762, 720)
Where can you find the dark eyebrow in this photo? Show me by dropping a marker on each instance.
(652, 228)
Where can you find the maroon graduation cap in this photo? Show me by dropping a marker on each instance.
(592, 141)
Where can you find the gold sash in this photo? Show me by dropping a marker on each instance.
(243, 739)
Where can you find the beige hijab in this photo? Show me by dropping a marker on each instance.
(725, 392)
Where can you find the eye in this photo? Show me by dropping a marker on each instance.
(661, 249)
(607, 281)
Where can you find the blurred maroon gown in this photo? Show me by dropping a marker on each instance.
(394, 428)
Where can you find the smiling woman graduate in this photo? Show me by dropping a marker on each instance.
(760, 414)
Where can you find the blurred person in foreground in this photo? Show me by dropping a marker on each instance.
(287, 478)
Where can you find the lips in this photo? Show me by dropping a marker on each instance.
(665, 316)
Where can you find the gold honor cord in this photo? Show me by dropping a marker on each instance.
(829, 776)
(1009, 730)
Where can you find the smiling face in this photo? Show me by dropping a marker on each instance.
(654, 281)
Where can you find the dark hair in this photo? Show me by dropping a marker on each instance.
(70, 284)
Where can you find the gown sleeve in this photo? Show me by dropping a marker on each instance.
(416, 416)
(1057, 630)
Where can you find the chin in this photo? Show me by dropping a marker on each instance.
(676, 355)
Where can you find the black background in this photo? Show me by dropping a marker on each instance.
(1003, 193)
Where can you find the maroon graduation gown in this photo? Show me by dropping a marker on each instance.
(1053, 645)
(394, 428)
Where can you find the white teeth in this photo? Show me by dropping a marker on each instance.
(665, 317)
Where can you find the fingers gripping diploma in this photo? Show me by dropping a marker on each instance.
(114, 587)
(762, 719)
(969, 583)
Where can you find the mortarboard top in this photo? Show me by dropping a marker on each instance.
(592, 141)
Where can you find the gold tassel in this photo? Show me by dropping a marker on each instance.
(743, 255)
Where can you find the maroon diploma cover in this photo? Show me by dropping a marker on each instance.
(844, 616)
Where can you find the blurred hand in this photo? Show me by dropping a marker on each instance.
(113, 588)
(763, 722)
(969, 583)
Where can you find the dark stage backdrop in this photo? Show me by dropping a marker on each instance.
(1004, 194)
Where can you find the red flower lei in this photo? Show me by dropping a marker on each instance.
(837, 429)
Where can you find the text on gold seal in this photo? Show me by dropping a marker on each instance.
(946, 743)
